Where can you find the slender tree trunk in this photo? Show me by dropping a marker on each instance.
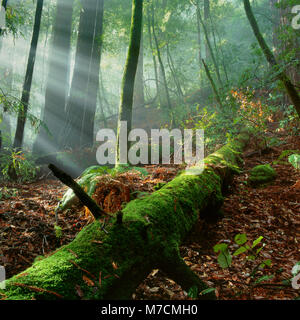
(223, 58)
(206, 22)
(28, 77)
(219, 51)
(153, 55)
(212, 84)
(127, 89)
(76, 101)
(58, 80)
(173, 72)
(7, 80)
(102, 97)
(290, 88)
(139, 96)
(212, 55)
(87, 131)
(162, 69)
(199, 44)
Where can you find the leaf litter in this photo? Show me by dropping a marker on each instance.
(27, 219)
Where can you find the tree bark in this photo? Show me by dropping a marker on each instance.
(147, 237)
(289, 87)
(28, 76)
(126, 103)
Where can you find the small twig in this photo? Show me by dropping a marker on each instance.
(76, 265)
(36, 289)
(85, 199)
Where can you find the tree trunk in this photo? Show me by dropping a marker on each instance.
(212, 83)
(138, 96)
(58, 80)
(125, 109)
(162, 69)
(28, 76)
(290, 88)
(173, 72)
(153, 54)
(206, 22)
(75, 105)
(6, 76)
(87, 131)
(146, 235)
(199, 45)
(212, 55)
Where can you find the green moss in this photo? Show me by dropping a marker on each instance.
(151, 230)
(262, 174)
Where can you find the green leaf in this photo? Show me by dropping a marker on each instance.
(220, 247)
(262, 265)
(206, 291)
(224, 259)
(251, 257)
(268, 262)
(240, 238)
(239, 251)
(257, 241)
(193, 292)
(259, 250)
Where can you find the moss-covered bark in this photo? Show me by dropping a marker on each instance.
(99, 265)
(127, 89)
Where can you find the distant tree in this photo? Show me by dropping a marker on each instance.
(161, 66)
(139, 97)
(76, 102)
(209, 50)
(290, 88)
(87, 130)
(127, 89)
(18, 141)
(206, 22)
(58, 79)
(152, 52)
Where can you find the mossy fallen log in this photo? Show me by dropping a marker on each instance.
(146, 235)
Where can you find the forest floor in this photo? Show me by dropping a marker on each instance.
(27, 221)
